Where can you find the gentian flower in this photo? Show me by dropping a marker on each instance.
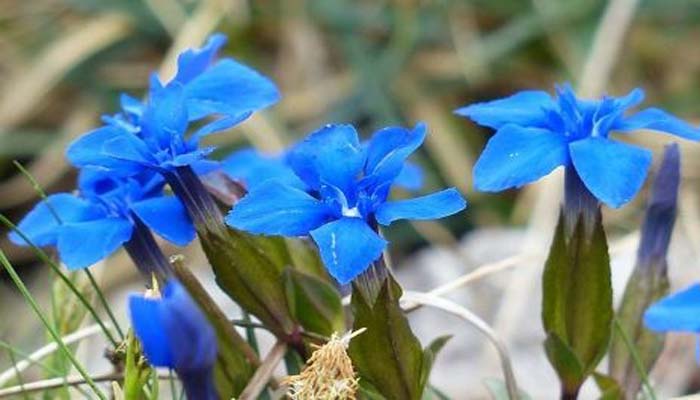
(175, 334)
(252, 167)
(154, 136)
(536, 133)
(661, 213)
(679, 312)
(348, 185)
(108, 212)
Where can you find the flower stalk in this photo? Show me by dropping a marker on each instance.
(146, 255)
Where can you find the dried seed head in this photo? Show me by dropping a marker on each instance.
(329, 374)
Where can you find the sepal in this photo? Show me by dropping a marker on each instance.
(577, 308)
(388, 356)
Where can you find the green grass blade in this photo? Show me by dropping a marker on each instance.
(635, 358)
(35, 307)
(57, 269)
(104, 303)
(42, 194)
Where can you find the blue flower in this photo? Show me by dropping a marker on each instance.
(678, 312)
(661, 212)
(154, 134)
(347, 186)
(108, 212)
(536, 133)
(175, 334)
(251, 168)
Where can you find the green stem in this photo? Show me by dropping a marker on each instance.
(638, 365)
(104, 303)
(35, 307)
(57, 269)
(250, 332)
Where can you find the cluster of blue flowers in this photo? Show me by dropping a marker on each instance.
(330, 187)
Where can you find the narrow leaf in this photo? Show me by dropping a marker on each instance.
(314, 303)
(249, 269)
(430, 354)
(388, 355)
(609, 388)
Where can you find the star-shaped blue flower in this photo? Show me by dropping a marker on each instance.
(678, 312)
(155, 134)
(347, 185)
(252, 168)
(536, 133)
(175, 334)
(88, 227)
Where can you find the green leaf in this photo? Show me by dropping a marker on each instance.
(429, 356)
(237, 361)
(564, 361)
(388, 355)
(497, 389)
(314, 303)
(577, 302)
(305, 258)
(249, 269)
(369, 392)
(609, 389)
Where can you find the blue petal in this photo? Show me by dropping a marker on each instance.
(89, 150)
(190, 336)
(132, 107)
(659, 120)
(275, 209)
(516, 156)
(230, 88)
(631, 99)
(348, 246)
(165, 117)
(433, 206)
(219, 125)
(189, 158)
(388, 150)
(252, 168)
(331, 155)
(128, 153)
(146, 321)
(40, 224)
(410, 177)
(679, 312)
(526, 108)
(173, 331)
(193, 62)
(166, 216)
(84, 243)
(613, 171)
